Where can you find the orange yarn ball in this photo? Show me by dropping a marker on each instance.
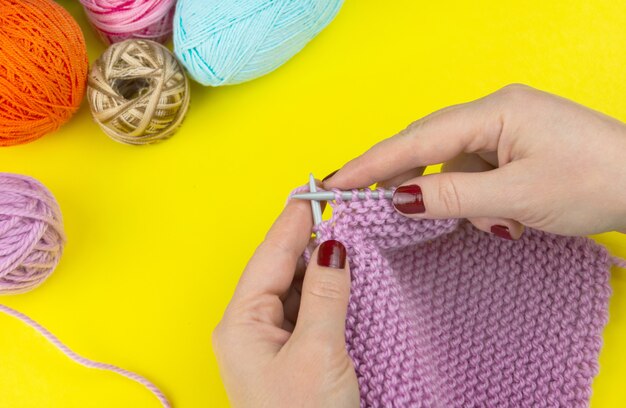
(43, 69)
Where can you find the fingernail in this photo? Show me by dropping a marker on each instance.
(501, 231)
(330, 175)
(409, 199)
(331, 254)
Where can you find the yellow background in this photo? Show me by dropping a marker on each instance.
(158, 234)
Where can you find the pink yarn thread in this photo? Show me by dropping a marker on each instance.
(31, 244)
(619, 262)
(85, 361)
(118, 20)
(444, 315)
(31, 233)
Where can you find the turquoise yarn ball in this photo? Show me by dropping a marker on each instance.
(225, 42)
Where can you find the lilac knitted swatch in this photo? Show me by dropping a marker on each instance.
(444, 315)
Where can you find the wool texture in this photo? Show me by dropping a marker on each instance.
(31, 233)
(138, 93)
(31, 244)
(119, 20)
(43, 69)
(228, 42)
(85, 361)
(444, 315)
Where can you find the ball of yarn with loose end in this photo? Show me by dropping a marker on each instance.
(229, 42)
(43, 69)
(138, 92)
(31, 243)
(119, 20)
(31, 233)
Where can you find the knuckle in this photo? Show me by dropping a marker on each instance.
(516, 87)
(415, 125)
(516, 92)
(524, 202)
(448, 196)
(272, 244)
(325, 287)
(413, 134)
(217, 337)
(323, 347)
(253, 309)
(276, 247)
(522, 199)
(415, 129)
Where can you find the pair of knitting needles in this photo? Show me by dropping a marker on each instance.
(316, 196)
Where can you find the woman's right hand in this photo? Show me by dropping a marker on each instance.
(518, 157)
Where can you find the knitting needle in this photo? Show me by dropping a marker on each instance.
(315, 204)
(316, 196)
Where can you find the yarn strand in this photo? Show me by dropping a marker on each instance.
(619, 262)
(85, 361)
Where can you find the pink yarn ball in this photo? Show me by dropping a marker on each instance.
(119, 20)
(31, 233)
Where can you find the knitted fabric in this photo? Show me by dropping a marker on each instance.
(444, 315)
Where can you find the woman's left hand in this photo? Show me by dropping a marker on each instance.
(281, 341)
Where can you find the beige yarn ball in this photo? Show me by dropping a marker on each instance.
(138, 92)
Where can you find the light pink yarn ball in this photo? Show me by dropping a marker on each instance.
(31, 233)
(118, 20)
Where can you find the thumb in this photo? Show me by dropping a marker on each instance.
(325, 294)
(460, 195)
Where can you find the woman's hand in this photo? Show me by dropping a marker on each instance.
(516, 157)
(281, 341)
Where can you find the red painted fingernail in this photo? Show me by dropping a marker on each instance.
(501, 231)
(409, 199)
(331, 254)
(330, 175)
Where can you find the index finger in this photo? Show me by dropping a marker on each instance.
(440, 136)
(271, 269)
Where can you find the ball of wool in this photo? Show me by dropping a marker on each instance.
(138, 92)
(228, 42)
(118, 20)
(31, 233)
(43, 69)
